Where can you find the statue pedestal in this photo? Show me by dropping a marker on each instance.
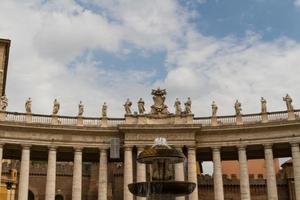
(28, 118)
(2, 115)
(54, 120)
(104, 122)
(79, 121)
(131, 119)
(291, 115)
(264, 117)
(214, 121)
(239, 120)
(142, 119)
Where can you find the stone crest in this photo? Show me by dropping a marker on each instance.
(159, 107)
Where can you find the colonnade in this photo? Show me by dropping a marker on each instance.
(141, 172)
(272, 193)
(51, 174)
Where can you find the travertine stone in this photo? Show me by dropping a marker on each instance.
(264, 117)
(192, 172)
(239, 119)
(270, 172)
(51, 174)
(79, 121)
(179, 173)
(77, 175)
(102, 186)
(244, 177)
(24, 174)
(128, 172)
(54, 120)
(104, 122)
(1, 156)
(28, 118)
(141, 172)
(291, 115)
(296, 167)
(218, 180)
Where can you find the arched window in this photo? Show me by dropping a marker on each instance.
(30, 195)
(59, 197)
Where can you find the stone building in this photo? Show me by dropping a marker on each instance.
(77, 157)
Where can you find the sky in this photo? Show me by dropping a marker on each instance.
(99, 51)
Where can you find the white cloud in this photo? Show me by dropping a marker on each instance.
(297, 2)
(50, 58)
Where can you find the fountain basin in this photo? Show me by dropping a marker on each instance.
(162, 188)
(160, 153)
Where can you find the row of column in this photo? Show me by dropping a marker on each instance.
(51, 174)
(244, 175)
(141, 172)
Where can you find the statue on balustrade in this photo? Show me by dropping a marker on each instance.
(177, 106)
(56, 107)
(188, 106)
(80, 109)
(263, 105)
(159, 96)
(127, 107)
(3, 103)
(104, 110)
(214, 109)
(28, 105)
(288, 100)
(238, 107)
(141, 106)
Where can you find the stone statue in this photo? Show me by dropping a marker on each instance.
(288, 100)
(3, 103)
(80, 109)
(141, 106)
(159, 97)
(214, 109)
(188, 106)
(177, 106)
(104, 110)
(263, 105)
(56, 107)
(28, 105)
(238, 107)
(127, 107)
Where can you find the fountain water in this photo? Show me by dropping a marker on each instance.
(162, 186)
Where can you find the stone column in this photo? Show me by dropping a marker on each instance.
(244, 174)
(1, 156)
(296, 168)
(218, 179)
(179, 173)
(270, 172)
(141, 172)
(24, 174)
(102, 185)
(77, 174)
(192, 172)
(51, 174)
(128, 172)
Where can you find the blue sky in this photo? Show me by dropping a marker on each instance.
(110, 50)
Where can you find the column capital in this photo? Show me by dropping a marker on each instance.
(294, 144)
(103, 149)
(241, 147)
(268, 146)
(192, 147)
(52, 148)
(78, 148)
(216, 149)
(128, 147)
(26, 146)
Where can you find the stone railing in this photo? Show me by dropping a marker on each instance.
(256, 118)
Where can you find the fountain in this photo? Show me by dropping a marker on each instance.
(162, 185)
